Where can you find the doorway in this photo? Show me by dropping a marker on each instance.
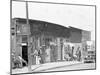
(25, 54)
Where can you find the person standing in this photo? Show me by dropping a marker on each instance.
(42, 55)
(48, 54)
(78, 54)
(35, 54)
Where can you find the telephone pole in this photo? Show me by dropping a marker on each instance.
(28, 37)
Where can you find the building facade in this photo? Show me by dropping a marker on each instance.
(53, 42)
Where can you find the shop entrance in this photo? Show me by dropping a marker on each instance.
(25, 54)
(24, 49)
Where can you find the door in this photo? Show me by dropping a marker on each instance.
(24, 49)
(25, 54)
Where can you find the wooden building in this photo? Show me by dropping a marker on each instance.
(48, 37)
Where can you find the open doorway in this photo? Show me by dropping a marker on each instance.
(25, 54)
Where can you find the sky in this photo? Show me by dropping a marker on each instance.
(82, 17)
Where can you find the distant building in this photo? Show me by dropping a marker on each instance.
(75, 35)
(86, 35)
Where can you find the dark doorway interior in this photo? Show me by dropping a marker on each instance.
(25, 54)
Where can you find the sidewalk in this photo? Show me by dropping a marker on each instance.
(54, 65)
(46, 66)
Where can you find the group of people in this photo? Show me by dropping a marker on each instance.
(40, 55)
(44, 54)
(71, 55)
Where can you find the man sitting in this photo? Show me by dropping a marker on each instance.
(18, 60)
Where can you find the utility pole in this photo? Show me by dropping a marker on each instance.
(28, 37)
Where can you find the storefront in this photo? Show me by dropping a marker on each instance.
(43, 42)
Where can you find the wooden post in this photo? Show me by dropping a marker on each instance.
(28, 36)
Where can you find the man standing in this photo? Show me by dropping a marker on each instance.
(48, 54)
(78, 54)
(35, 54)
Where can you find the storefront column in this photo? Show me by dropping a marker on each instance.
(59, 49)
